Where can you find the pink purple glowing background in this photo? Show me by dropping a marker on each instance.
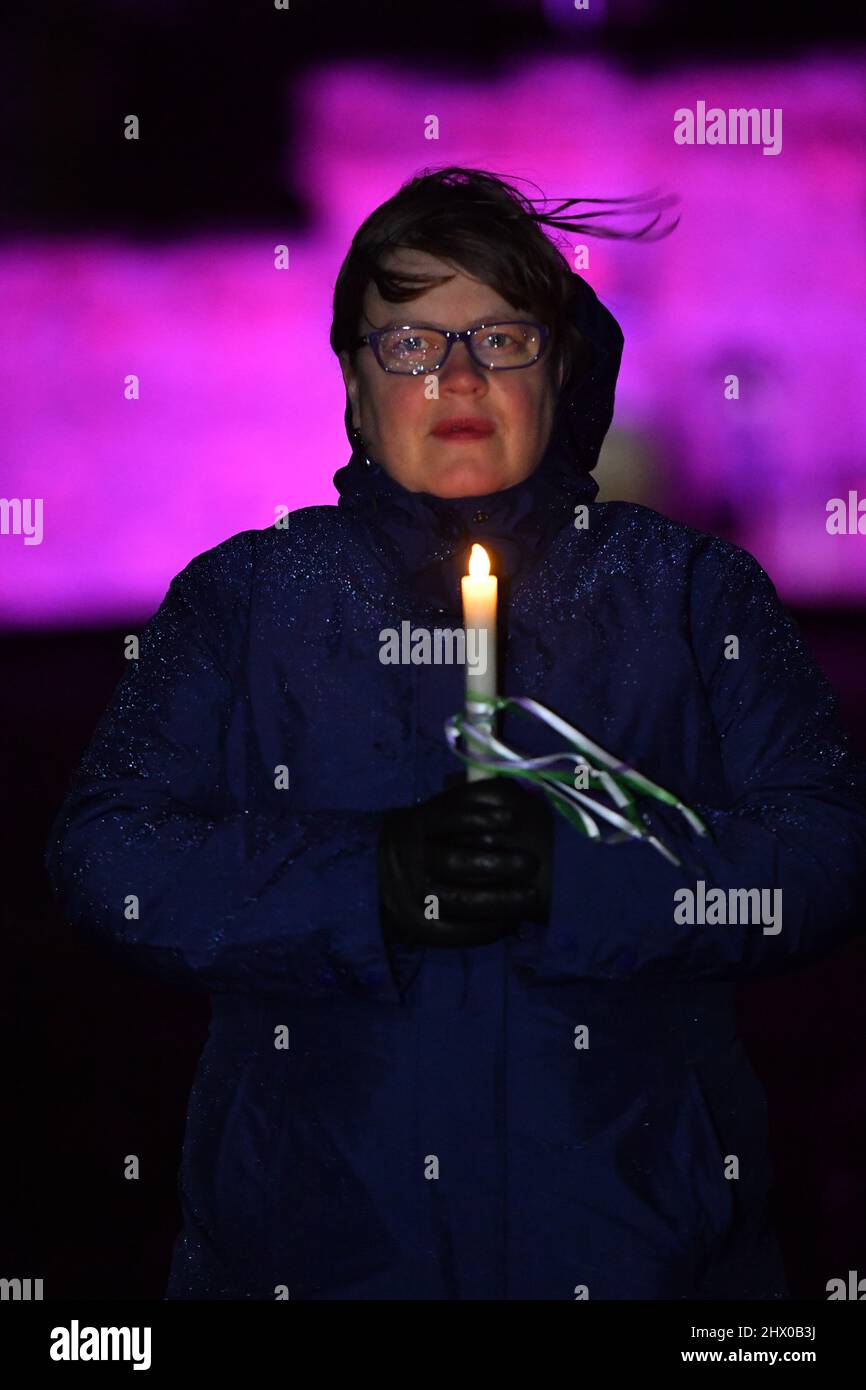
(241, 407)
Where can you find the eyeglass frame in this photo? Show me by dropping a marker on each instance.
(452, 336)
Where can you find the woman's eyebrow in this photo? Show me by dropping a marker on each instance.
(499, 317)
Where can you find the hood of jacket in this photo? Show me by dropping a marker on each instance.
(427, 539)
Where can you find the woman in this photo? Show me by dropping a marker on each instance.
(540, 1093)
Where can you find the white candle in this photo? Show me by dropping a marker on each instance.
(478, 589)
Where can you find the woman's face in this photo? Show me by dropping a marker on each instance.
(397, 420)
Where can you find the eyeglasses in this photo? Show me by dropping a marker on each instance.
(415, 348)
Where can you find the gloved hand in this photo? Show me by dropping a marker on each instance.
(484, 849)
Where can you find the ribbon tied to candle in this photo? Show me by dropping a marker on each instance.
(608, 785)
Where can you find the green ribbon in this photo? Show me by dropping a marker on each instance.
(604, 775)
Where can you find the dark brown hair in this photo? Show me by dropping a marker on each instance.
(486, 227)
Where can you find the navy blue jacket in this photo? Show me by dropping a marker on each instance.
(569, 1112)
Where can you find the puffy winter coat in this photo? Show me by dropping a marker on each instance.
(569, 1112)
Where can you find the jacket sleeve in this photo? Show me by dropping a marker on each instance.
(793, 822)
(149, 854)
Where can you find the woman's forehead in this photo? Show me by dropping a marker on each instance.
(458, 303)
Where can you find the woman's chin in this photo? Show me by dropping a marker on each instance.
(465, 478)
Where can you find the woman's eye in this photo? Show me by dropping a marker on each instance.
(496, 341)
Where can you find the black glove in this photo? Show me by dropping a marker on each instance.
(484, 849)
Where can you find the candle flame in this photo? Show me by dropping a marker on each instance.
(479, 562)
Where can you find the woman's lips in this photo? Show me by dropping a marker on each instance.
(463, 429)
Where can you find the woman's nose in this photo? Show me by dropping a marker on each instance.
(459, 365)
